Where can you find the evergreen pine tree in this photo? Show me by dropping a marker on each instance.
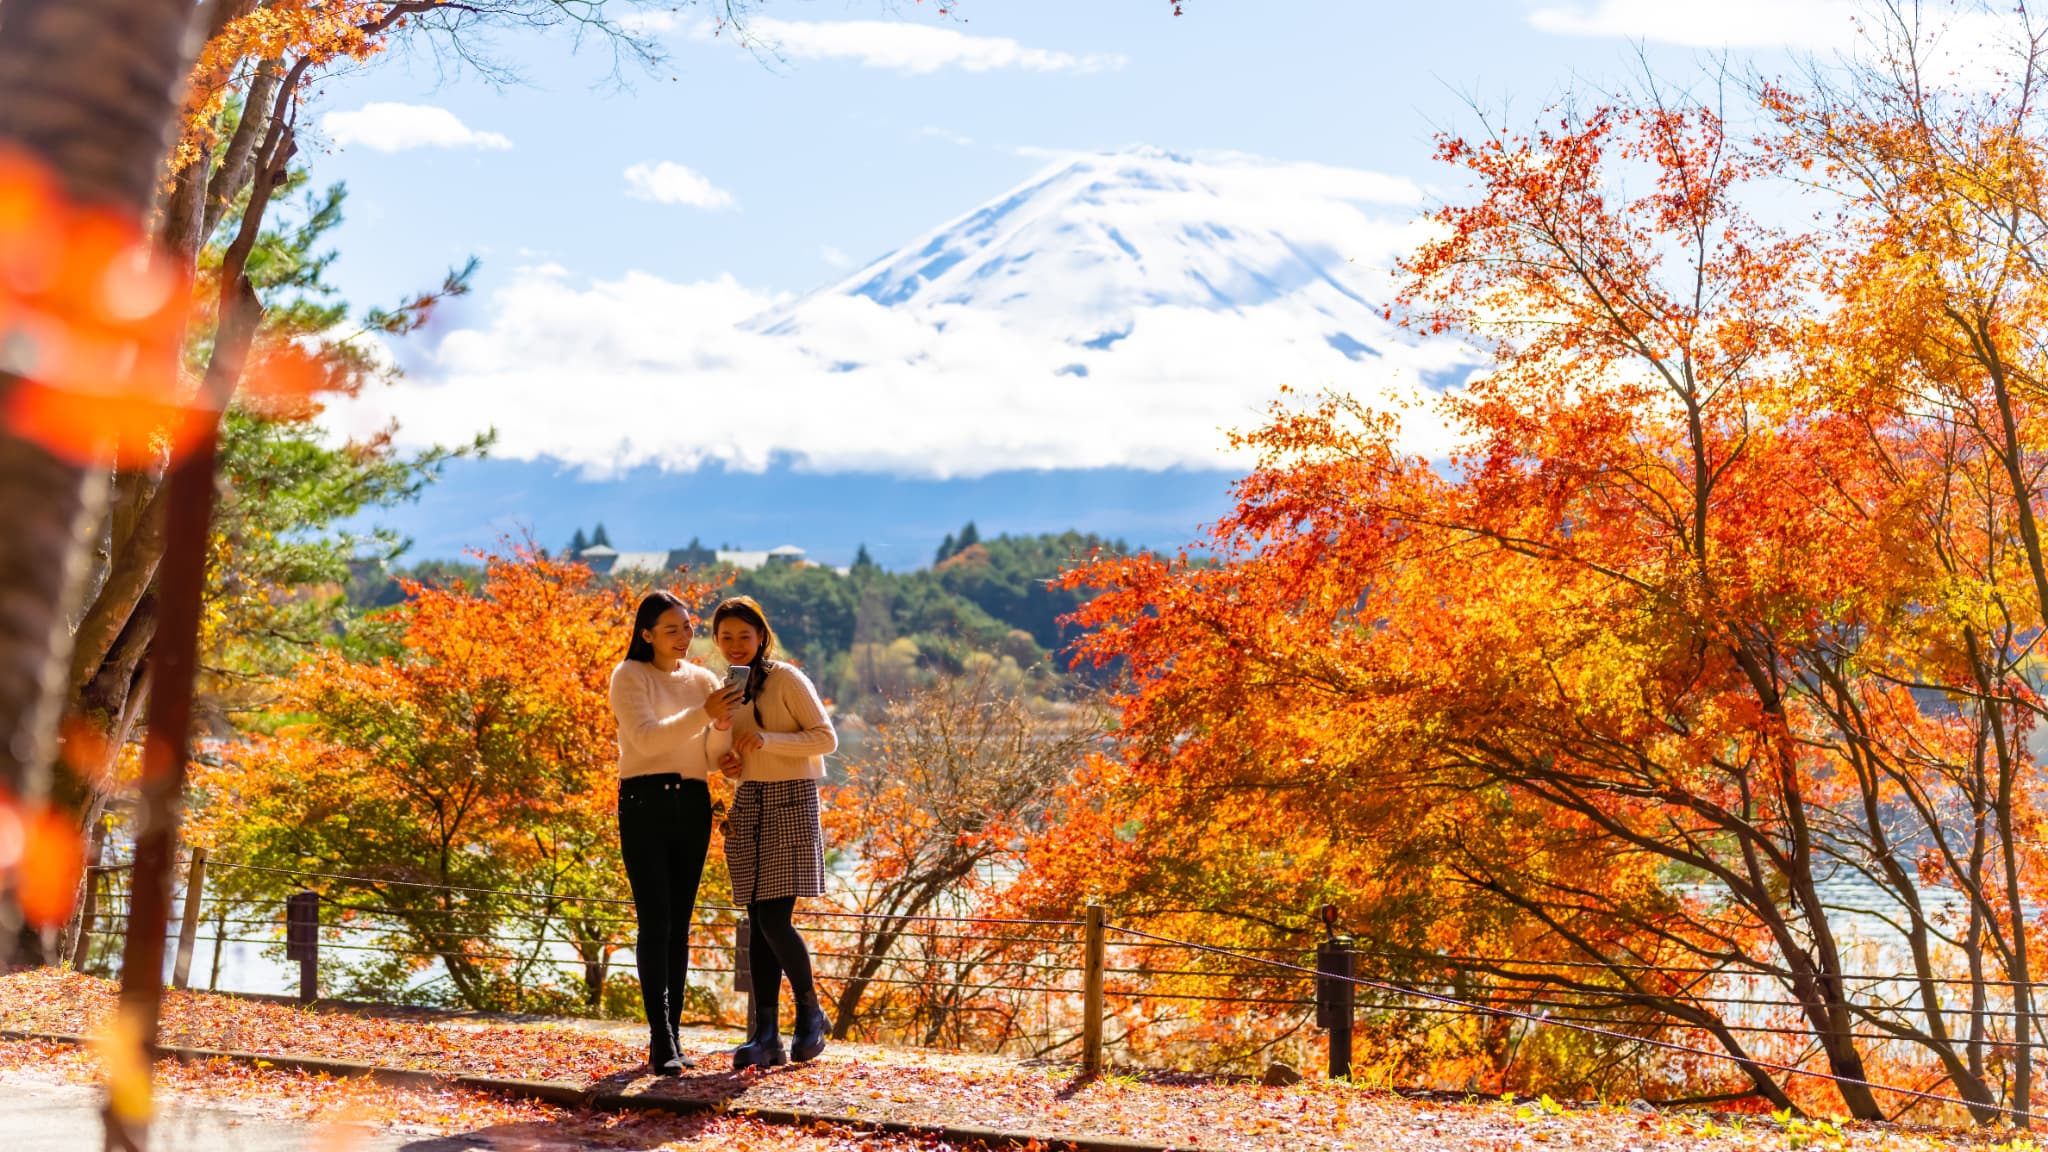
(861, 559)
(578, 543)
(598, 539)
(969, 537)
(946, 549)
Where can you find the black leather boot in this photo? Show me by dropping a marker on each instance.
(661, 1051)
(812, 1027)
(763, 1048)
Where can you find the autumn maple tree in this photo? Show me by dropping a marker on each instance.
(933, 811)
(1727, 600)
(467, 781)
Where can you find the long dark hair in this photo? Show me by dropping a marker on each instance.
(747, 610)
(653, 607)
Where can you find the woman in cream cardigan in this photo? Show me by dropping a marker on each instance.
(774, 844)
(664, 705)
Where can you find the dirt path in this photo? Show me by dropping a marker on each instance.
(873, 1083)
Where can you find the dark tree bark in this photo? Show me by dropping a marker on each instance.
(89, 90)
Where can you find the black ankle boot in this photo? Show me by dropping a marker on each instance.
(661, 1053)
(812, 1026)
(763, 1049)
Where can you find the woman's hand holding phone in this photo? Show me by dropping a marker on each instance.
(720, 704)
(733, 694)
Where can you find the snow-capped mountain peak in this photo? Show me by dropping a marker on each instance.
(1081, 249)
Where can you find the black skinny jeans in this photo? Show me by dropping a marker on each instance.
(664, 832)
(774, 949)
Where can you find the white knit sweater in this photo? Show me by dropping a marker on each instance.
(662, 719)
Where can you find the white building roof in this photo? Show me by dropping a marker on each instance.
(641, 562)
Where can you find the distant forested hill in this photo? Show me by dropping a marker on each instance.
(870, 635)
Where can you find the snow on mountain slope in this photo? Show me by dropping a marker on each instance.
(1103, 236)
(1116, 310)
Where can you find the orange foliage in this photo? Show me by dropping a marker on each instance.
(41, 860)
(95, 322)
(481, 757)
(318, 31)
(1704, 620)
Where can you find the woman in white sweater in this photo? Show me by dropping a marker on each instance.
(664, 705)
(774, 843)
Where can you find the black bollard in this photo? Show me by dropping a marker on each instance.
(302, 940)
(1336, 995)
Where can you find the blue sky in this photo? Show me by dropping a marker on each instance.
(731, 176)
(823, 153)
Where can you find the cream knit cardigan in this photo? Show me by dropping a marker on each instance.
(796, 733)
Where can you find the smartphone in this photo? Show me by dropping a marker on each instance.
(736, 676)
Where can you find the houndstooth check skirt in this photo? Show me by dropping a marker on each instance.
(774, 842)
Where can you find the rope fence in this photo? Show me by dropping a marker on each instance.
(1045, 986)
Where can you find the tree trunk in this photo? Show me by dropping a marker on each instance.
(159, 804)
(76, 945)
(90, 90)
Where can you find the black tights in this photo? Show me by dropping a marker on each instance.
(774, 950)
(664, 830)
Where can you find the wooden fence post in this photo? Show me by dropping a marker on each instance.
(188, 931)
(88, 912)
(743, 970)
(88, 900)
(1335, 997)
(220, 935)
(1091, 992)
(302, 941)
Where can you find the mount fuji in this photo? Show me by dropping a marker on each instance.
(1099, 238)
(1117, 312)
(1169, 294)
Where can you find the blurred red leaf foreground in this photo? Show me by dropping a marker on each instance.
(858, 1081)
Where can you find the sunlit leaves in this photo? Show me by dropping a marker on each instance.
(1727, 593)
(90, 321)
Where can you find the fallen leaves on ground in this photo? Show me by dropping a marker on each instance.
(873, 1083)
(335, 1107)
(53, 1000)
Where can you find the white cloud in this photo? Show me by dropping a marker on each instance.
(670, 183)
(1961, 50)
(912, 49)
(835, 257)
(1722, 23)
(1967, 46)
(617, 374)
(946, 134)
(652, 23)
(391, 127)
